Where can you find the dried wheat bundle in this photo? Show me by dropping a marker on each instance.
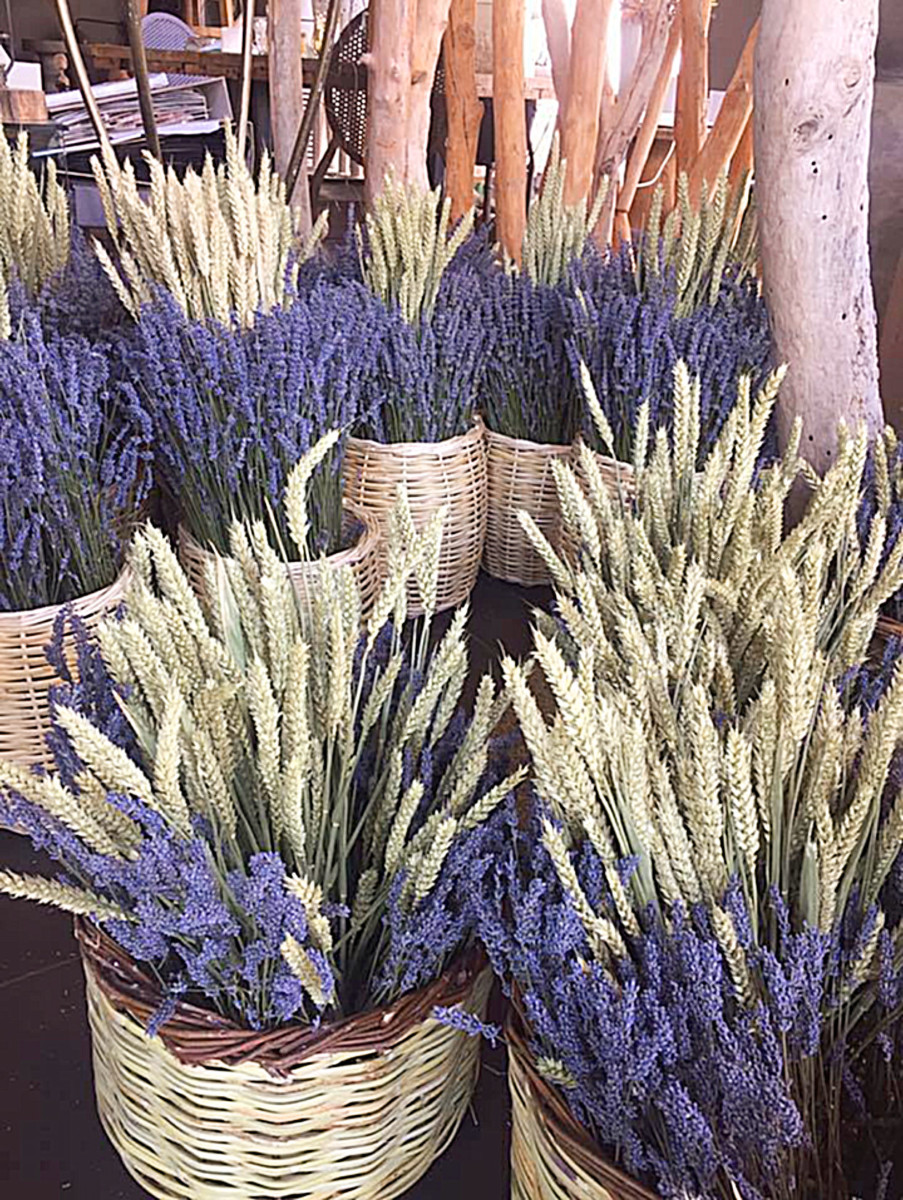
(556, 233)
(218, 242)
(408, 247)
(34, 223)
(696, 245)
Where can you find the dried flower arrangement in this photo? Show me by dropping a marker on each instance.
(700, 917)
(282, 826)
(220, 243)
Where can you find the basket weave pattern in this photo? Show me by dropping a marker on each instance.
(26, 676)
(552, 1158)
(362, 557)
(520, 479)
(451, 473)
(364, 1110)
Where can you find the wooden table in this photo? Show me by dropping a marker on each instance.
(105, 56)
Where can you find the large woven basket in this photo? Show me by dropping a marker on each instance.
(355, 1111)
(451, 473)
(520, 479)
(552, 1157)
(26, 676)
(363, 557)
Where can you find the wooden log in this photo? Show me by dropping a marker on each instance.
(690, 121)
(388, 62)
(430, 25)
(558, 39)
(613, 142)
(588, 70)
(465, 110)
(891, 350)
(733, 118)
(510, 124)
(286, 91)
(814, 85)
(645, 137)
(743, 161)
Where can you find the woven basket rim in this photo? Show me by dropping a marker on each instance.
(565, 1132)
(196, 1035)
(86, 603)
(505, 439)
(444, 447)
(367, 541)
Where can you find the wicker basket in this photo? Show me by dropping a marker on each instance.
(359, 1109)
(362, 557)
(520, 479)
(26, 676)
(552, 1157)
(451, 473)
(617, 477)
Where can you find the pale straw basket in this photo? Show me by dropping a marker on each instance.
(207, 1111)
(520, 479)
(552, 1156)
(363, 557)
(26, 676)
(450, 473)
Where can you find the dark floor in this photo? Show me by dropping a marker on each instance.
(51, 1143)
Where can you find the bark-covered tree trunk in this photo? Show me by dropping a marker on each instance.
(509, 122)
(465, 110)
(287, 93)
(814, 84)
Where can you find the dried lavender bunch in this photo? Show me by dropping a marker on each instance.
(704, 730)
(291, 776)
(234, 408)
(34, 222)
(75, 462)
(631, 339)
(220, 243)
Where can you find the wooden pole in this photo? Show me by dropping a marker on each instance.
(430, 25)
(891, 349)
(81, 74)
(639, 156)
(558, 39)
(743, 161)
(588, 70)
(244, 109)
(286, 92)
(814, 85)
(391, 24)
(465, 110)
(510, 124)
(142, 81)
(733, 118)
(690, 124)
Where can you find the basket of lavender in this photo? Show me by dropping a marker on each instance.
(699, 916)
(235, 407)
(74, 470)
(425, 436)
(268, 826)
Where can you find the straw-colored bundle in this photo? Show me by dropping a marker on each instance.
(34, 220)
(552, 1157)
(519, 478)
(26, 676)
(618, 478)
(362, 557)
(356, 1111)
(435, 475)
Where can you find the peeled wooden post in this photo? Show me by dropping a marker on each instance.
(639, 155)
(388, 63)
(286, 89)
(733, 118)
(814, 84)
(463, 105)
(743, 162)
(588, 68)
(430, 25)
(693, 82)
(510, 126)
(558, 39)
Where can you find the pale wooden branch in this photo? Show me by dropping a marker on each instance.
(391, 25)
(464, 108)
(693, 82)
(510, 124)
(639, 155)
(743, 162)
(580, 126)
(558, 39)
(733, 118)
